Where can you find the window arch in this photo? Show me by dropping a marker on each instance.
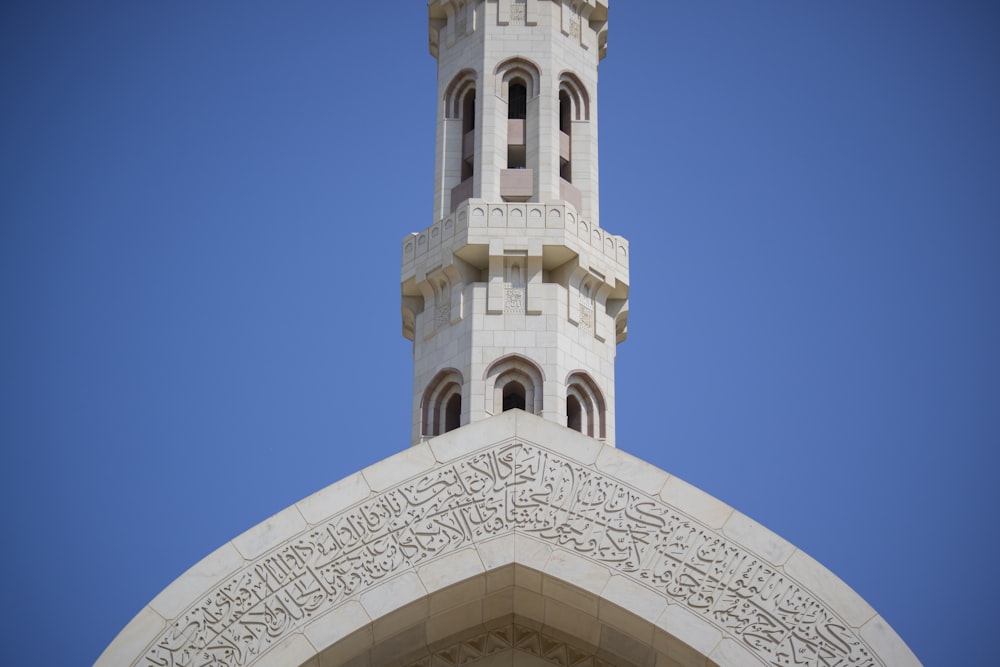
(441, 406)
(517, 68)
(577, 99)
(457, 91)
(460, 106)
(514, 382)
(585, 407)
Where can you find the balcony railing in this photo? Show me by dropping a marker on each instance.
(517, 184)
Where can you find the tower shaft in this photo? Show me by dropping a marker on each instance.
(515, 297)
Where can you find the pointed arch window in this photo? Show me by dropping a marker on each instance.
(441, 407)
(515, 384)
(585, 407)
(460, 109)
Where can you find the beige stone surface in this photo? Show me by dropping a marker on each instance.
(292, 650)
(573, 621)
(497, 552)
(641, 475)
(396, 469)
(451, 569)
(442, 625)
(830, 588)
(392, 594)
(334, 498)
(636, 598)
(133, 639)
(562, 562)
(693, 501)
(757, 538)
(178, 595)
(582, 572)
(887, 644)
(400, 619)
(339, 623)
(688, 634)
(270, 533)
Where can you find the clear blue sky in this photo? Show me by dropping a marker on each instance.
(201, 205)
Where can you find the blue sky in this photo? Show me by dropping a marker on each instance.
(201, 206)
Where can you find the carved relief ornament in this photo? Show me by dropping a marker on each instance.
(506, 488)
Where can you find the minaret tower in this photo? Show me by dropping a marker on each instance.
(515, 297)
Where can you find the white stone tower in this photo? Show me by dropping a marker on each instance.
(515, 297)
(512, 541)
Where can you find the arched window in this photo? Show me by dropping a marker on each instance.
(585, 408)
(453, 412)
(468, 133)
(514, 383)
(517, 84)
(460, 116)
(513, 396)
(517, 100)
(441, 407)
(517, 112)
(574, 413)
(565, 130)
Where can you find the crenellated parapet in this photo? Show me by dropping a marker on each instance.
(449, 20)
(476, 222)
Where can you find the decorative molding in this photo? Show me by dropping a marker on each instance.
(510, 487)
(511, 637)
(513, 303)
(586, 317)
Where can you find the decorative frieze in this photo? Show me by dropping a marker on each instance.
(512, 487)
(513, 637)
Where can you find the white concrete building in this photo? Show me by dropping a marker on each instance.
(511, 530)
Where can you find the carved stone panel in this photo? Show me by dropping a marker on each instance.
(511, 487)
(513, 303)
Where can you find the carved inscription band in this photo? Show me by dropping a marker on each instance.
(510, 487)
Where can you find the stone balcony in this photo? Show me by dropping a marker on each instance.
(468, 231)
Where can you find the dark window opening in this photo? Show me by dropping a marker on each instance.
(517, 157)
(468, 125)
(453, 413)
(574, 414)
(564, 112)
(517, 101)
(469, 112)
(513, 396)
(565, 126)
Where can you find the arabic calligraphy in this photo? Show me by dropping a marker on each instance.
(527, 489)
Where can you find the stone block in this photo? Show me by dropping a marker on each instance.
(292, 650)
(634, 472)
(831, 589)
(887, 644)
(531, 552)
(270, 533)
(335, 498)
(133, 639)
(341, 622)
(730, 653)
(687, 637)
(444, 624)
(695, 503)
(389, 595)
(581, 572)
(400, 619)
(573, 622)
(639, 600)
(396, 469)
(194, 583)
(755, 537)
